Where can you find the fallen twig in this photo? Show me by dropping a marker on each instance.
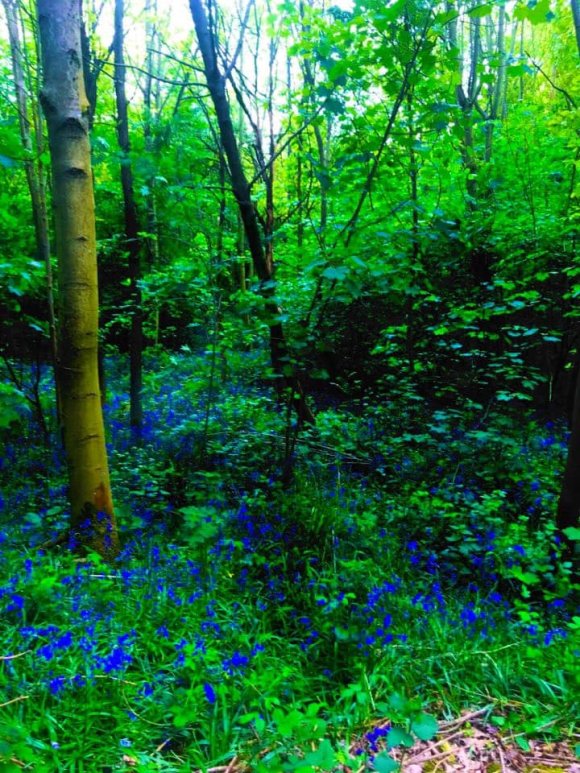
(501, 759)
(466, 717)
(15, 700)
(231, 766)
(13, 657)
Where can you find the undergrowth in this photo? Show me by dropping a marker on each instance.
(409, 571)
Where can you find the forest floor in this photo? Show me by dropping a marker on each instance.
(411, 573)
(467, 743)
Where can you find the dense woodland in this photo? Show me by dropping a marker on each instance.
(290, 396)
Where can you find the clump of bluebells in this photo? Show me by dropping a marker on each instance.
(237, 597)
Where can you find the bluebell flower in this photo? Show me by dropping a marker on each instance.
(551, 635)
(56, 685)
(117, 660)
(64, 642)
(209, 693)
(147, 690)
(16, 603)
(46, 652)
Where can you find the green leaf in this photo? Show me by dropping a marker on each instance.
(573, 533)
(323, 758)
(523, 743)
(446, 16)
(526, 577)
(335, 273)
(398, 702)
(425, 727)
(399, 737)
(8, 162)
(480, 11)
(384, 764)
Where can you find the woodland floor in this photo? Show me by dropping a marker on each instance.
(467, 743)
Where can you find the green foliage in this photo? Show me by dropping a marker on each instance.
(309, 597)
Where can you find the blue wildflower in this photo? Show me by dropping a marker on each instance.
(56, 685)
(209, 693)
(16, 603)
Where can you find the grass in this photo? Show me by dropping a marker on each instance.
(245, 618)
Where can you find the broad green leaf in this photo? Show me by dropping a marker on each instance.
(526, 577)
(323, 758)
(382, 763)
(399, 737)
(335, 273)
(425, 727)
(480, 11)
(398, 702)
(523, 743)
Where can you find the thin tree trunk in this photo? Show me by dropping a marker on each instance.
(415, 247)
(217, 87)
(33, 169)
(497, 90)
(65, 106)
(569, 502)
(576, 16)
(132, 239)
(149, 99)
(309, 80)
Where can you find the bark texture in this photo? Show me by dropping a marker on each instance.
(66, 109)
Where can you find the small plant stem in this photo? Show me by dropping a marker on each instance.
(13, 657)
(15, 700)
(368, 686)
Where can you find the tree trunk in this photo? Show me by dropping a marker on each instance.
(132, 239)
(569, 502)
(497, 89)
(322, 160)
(217, 87)
(576, 16)
(150, 100)
(65, 106)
